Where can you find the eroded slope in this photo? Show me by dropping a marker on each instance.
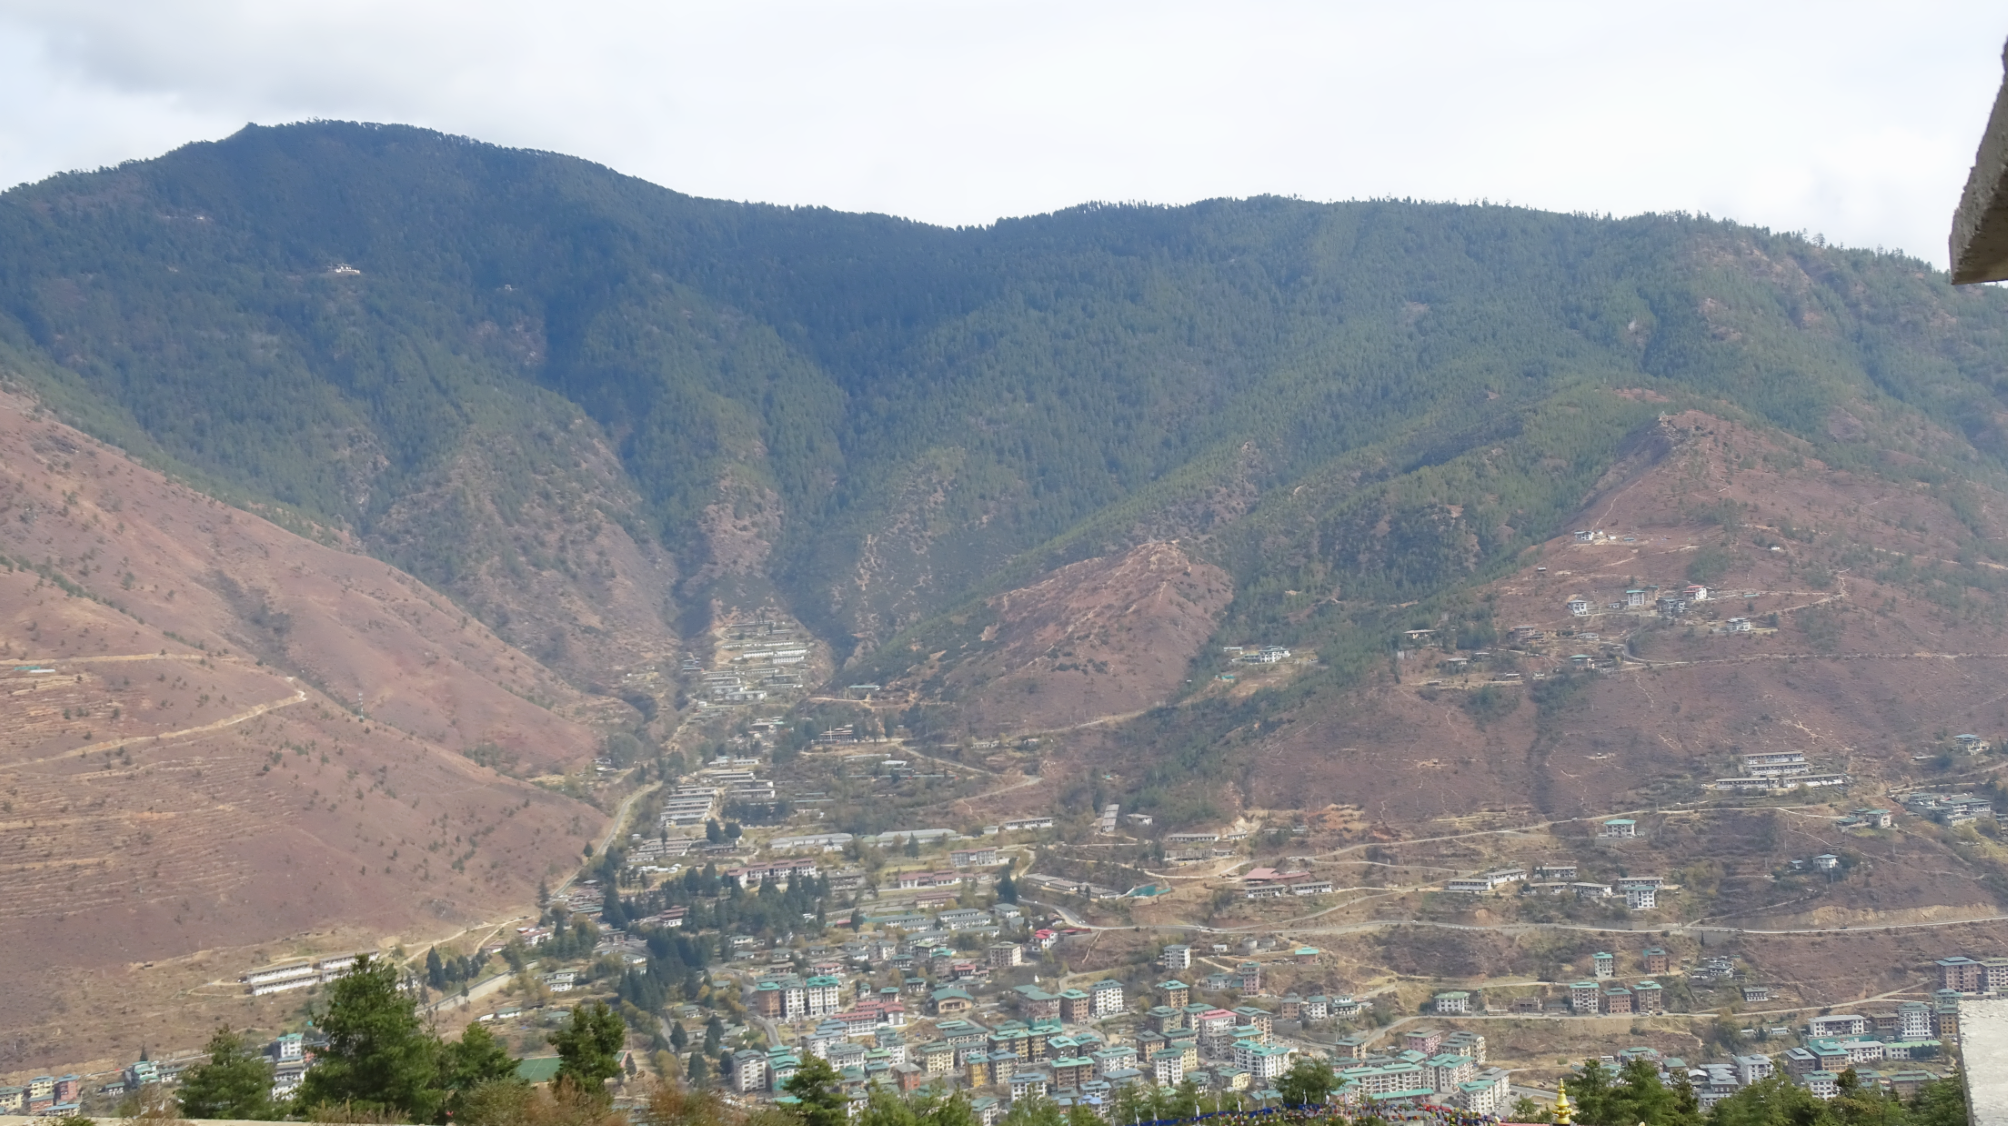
(1092, 640)
(221, 736)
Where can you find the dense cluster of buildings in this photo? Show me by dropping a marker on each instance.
(1422, 1065)
(1056, 1045)
(1052, 1048)
(1884, 1046)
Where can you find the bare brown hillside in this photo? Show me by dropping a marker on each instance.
(1877, 633)
(224, 743)
(1103, 637)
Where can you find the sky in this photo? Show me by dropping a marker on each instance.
(1853, 121)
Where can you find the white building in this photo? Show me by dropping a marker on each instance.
(1105, 997)
(822, 995)
(1448, 1069)
(1752, 1068)
(1863, 1051)
(1837, 1025)
(1488, 1093)
(749, 1070)
(1262, 1061)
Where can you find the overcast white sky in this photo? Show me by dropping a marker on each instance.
(1856, 121)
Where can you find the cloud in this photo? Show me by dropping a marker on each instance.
(1856, 121)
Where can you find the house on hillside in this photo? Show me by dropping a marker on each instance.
(1648, 997)
(1619, 828)
(1585, 997)
(1579, 606)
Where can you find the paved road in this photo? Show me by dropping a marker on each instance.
(615, 826)
(475, 993)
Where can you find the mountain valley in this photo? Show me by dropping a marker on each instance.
(389, 523)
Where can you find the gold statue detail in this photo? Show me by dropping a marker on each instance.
(1562, 1108)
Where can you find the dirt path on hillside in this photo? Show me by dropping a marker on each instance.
(963, 805)
(615, 823)
(114, 744)
(103, 658)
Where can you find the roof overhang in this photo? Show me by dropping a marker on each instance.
(1979, 243)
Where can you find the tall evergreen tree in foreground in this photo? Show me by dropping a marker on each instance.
(822, 1101)
(235, 1083)
(382, 1059)
(379, 1056)
(589, 1047)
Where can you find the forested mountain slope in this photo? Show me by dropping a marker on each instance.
(598, 412)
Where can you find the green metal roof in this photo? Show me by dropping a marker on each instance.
(537, 1069)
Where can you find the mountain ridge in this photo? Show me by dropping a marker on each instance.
(816, 366)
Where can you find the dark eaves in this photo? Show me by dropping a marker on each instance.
(1979, 249)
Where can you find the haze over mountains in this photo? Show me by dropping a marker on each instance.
(1036, 474)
